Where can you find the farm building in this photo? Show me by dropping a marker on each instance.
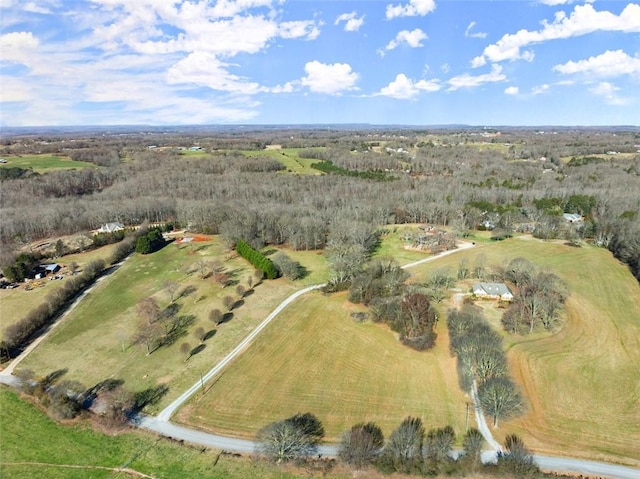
(51, 268)
(111, 227)
(493, 290)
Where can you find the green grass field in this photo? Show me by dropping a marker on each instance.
(315, 358)
(16, 303)
(289, 158)
(35, 446)
(582, 383)
(44, 163)
(94, 341)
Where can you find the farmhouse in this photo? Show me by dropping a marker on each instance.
(111, 227)
(493, 290)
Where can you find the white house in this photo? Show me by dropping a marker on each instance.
(493, 290)
(111, 227)
(572, 217)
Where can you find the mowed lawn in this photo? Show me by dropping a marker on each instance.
(44, 163)
(16, 303)
(315, 358)
(95, 341)
(582, 384)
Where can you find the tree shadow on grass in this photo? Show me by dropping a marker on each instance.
(92, 393)
(149, 397)
(237, 304)
(188, 291)
(179, 329)
(199, 348)
(209, 334)
(226, 317)
(51, 378)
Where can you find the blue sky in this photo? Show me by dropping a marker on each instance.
(410, 62)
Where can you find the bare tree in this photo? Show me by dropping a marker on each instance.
(171, 287)
(228, 302)
(215, 316)
(500, 399)
(148, 310)
(516, 458)
(200, 334)
(185, 348)
(403, 452)
(361, 444)
(240, 290)
(73, 267)
(294, 438)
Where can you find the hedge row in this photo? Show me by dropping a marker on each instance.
(257, 259)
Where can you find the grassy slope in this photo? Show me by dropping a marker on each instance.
(289, 158)
(29, 436)
(90, 341)
(582, 383)
(315, 358)
(16, 303)
(44, 163)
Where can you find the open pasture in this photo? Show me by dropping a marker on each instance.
(95, 341)
(289, 158)
(44, 163)
(315, 358)
(581, 383)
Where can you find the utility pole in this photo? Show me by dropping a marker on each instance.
(466, 427)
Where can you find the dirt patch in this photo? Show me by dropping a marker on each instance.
(273, 147)
(193, 239)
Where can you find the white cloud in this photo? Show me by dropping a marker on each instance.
(412, 38)
(469, 81)
(414, 8)
(467, 32)
(204, 69)
(583, 20)
(512, 90)
(18, 47)
(404, 88)
(540, 89)
(609, 64)
(554, 3)
(331, 79)
(352, 21)
(608, 92)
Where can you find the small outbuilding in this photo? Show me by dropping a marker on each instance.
(493, 290)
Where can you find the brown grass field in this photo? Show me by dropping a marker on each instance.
(94, 341)
(582, 384)
(315, 358)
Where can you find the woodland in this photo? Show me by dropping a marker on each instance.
(463, 179)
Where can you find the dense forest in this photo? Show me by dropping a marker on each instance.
(511, 180)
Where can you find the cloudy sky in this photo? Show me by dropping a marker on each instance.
(410, 62)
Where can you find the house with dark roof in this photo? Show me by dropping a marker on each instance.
(492, 290)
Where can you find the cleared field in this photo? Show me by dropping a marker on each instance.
(315, 358)
(289, 158)
(30, 437)
(44, 163)
(94, 341)
(582, 384)
(16, 303)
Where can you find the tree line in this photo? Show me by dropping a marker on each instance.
(448, 184)
(410, 449)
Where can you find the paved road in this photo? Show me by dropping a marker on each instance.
(167, 412)
(244, 446)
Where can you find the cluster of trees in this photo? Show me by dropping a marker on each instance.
(150, 242)
(407, 311)
(159, 327)
(23, 266)
(482, 363)
(17, 335)
(408, 450)
(328, 167)
(109, 401)
(538, 300)
(288, 268)
(257, 259)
